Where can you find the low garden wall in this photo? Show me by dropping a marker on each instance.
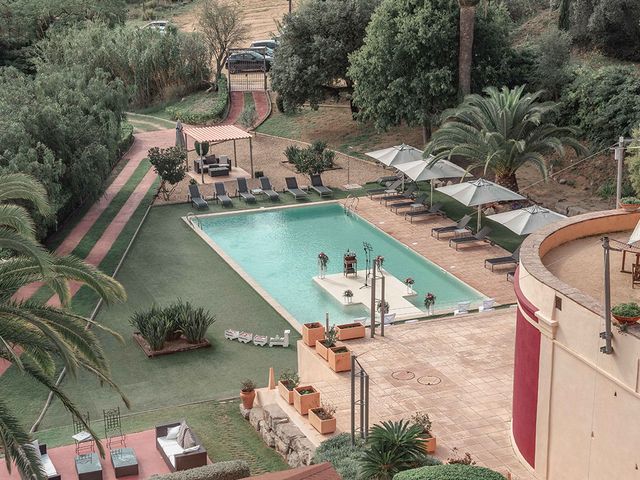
(280, 433)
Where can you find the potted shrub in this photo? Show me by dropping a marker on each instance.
(248, 393)
(379, 306)
(626, 312)
(312, 332)
(409, 283)
(286, 383)
(323, 419)
(348, 296)
(304, 398)
(423, 421)
(349, 331)
(339, 358)
(429, 302)
(630, 204)
(323, 260)
(329, 340)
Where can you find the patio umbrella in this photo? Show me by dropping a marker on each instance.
(420, 170)
(397, 155)
(635, 235)
(526, 220)
(478, 192)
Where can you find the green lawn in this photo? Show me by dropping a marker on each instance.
(196, 102)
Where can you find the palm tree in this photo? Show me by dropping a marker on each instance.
(501, 132)
(45, 335)
(465, 57)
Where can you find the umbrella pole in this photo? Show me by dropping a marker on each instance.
(479, 217)
(431, 196)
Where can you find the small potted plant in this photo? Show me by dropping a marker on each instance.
(323, 346)
(630, 204)
(323, 260)
(379, 261)
(349, 331)
(304, 398)
(626, 312)
(409, 283)
(323, 419)
(348, 296)
(339, 358)
(311, 333)
(379, 306)
(429, 302)
(248, 393)
(286, 383)
(423, 421)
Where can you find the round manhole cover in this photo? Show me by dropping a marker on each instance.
(429, 380)
(403, 375)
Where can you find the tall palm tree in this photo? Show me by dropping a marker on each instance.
(501, 132)
(465, 56)
(45, 335)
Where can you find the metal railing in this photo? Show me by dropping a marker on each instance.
(359, 400)
(351, 204)
(191, 217)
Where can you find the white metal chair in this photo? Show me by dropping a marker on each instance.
(463, 307)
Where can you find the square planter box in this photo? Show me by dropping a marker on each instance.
(322, 350)
(303, 403)
(312, 332)
(349, 331)
(323, 426)
(429, 445)
(285, 393)
(339, 359)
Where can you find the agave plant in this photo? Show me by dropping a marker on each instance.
(194, 322)
(153, 326)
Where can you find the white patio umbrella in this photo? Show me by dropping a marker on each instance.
(526, 220)
(635, 235)
(421, 171)
(478, 192)
(397, 155)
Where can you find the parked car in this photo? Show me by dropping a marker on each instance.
(159, 25)
(272, 44)
(248, 61)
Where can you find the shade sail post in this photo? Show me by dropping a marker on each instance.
(431, 197)
(235, 154)
(251, 156)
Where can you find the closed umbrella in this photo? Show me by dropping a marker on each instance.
(397, 155)
(526, 220)
(479, 192)
(421, 170)
(180, 135)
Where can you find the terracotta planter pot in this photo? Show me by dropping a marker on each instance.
(349, 331)
(339, 361)
(622, 319)
(311, 332)
(322, 350)
(247, 399)
(629, 207)
(302, 403)
(285, 393)
(429, 445)
(323, 426)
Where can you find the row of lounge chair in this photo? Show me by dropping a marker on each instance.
(243, 193)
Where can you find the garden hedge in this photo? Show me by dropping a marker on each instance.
(449, 472)
(233, 470)
(216, 113)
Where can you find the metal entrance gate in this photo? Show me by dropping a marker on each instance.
(248, 69)
(359, 399)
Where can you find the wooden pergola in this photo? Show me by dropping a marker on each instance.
(220, 134)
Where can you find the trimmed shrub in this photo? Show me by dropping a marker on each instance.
(341, 454)
(449, 472)
(126, 137)
(248, 116)
(553, 54)
(233, 470)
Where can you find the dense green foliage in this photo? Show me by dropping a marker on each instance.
(552, 63)
(406, 70)
(311, 160)
(189, 114)
(341, 454)
(232, 470)
(315, 43)
(632, 161)
(502, 131)
(449, 472)
(170, 165)
(153, 65)
(603, 103)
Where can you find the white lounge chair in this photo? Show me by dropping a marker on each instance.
(487, 305)
(389, 318)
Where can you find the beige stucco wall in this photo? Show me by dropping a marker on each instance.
(588, 417)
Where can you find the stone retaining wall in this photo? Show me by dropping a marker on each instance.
(278, 432)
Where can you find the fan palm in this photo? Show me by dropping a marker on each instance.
(501, 132)
(45, 335)
(391, 448)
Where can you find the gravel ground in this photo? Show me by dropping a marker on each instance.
(268, 157)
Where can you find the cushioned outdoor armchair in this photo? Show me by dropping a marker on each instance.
(174, 454)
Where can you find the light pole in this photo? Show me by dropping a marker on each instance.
(619, 157)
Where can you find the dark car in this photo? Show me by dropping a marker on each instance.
(248, 61)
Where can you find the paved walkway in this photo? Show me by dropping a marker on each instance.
(261, 101)
(469, 362)
(467, 263)
(236, 106)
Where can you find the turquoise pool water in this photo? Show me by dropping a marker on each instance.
(279, 249)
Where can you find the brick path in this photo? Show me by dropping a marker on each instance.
(235, 108)
(261, 101)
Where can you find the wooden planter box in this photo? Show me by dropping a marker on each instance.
(302, 403)
(323, 426)
(339, 359)
(285, 393)
(170, 346)
(322, 350)
(312, 332)
(429, 445)
(349, 331)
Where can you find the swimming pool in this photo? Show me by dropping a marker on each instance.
(278, 249)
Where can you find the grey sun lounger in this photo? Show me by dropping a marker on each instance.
(221, 194)
(462, 224)
(196, 198)
(243, 191)
(481, 236)
(318, 187)
(427, 212)
(408, 193)
(379, 191)
(508, 260)
(267, 189)
(419, 199)
(293, 189)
